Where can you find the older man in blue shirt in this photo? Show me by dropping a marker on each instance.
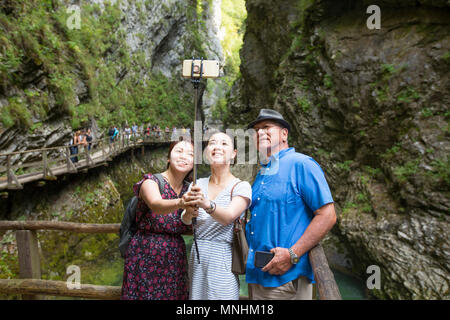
(292, 210)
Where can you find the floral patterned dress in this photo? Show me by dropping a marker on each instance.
(155, 262)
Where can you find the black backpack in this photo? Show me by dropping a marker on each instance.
(128, 227)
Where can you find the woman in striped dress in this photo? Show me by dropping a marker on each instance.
(211, 277)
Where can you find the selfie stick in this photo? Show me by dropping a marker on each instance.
(196, 83)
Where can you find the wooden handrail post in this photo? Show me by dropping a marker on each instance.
(8, 169)
(29, 260)
(102, 145)
(48, 174)
(70, 166)
(13, 182)
(89, 160)
(326, 284)
(44, 162)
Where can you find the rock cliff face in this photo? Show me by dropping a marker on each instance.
(371, 106)
(124, 62)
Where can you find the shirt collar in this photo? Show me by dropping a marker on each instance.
(277, 156)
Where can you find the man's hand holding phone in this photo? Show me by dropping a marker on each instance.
(280, 263)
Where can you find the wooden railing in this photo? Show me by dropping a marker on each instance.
(31, 286)
(48, 163)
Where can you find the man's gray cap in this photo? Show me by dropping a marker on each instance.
(269, 114)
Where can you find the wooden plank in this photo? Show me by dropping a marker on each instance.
(58, 288)
(60, 225)
(326, 284)
(29, 261)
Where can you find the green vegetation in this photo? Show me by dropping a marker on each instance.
(446, 57)
(9, 262)
(391, 152)
(388, 70)
(382, 85)
(440, 174)
(304, 104)
(403, 172)
(407, 95)
(427, 112)
(345, 166)
(234, 14)
(361, 203)
(37, 38)
(372, 172)
(327, 81)
(348, 206)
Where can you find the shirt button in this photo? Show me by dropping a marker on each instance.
(251, 250)
(254, 215)
(262, 182)
(259, 198)
(251, 232)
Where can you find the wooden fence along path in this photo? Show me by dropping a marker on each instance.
(30, 286)
(51, 162)
(48, 163)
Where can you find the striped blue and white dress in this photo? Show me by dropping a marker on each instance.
(212, 279)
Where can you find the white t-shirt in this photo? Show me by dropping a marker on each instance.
(207, 227)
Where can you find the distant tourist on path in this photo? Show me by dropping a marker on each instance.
(89, 139)
(74, 141)
(174, 136)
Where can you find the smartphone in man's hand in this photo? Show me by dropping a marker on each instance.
(262, 258)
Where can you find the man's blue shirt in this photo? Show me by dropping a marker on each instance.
(285, 194)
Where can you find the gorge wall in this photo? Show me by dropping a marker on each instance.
(122, 63)
(371, 106)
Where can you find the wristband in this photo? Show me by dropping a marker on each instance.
(182, 218)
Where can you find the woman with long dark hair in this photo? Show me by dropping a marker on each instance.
(155, 262)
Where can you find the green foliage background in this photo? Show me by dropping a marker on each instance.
(35, 40)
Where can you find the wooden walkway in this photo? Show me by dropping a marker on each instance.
(48, 163)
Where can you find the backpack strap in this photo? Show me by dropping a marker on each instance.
(161, 181)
